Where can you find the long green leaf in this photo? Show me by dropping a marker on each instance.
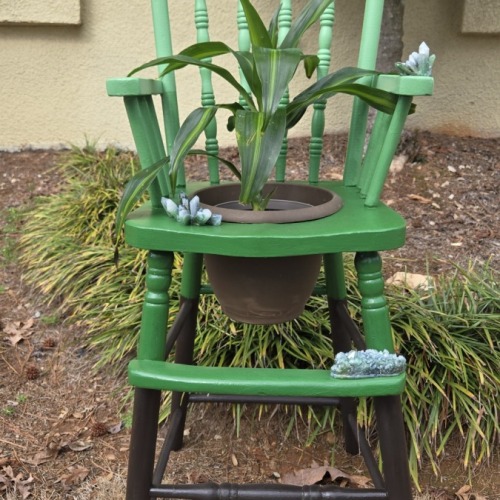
(311, 62)
(259, 148)
(247, 65)
(307, 17)
(224, 73)
(274, 27)
(202, 50)
(297, 107)
(275, 68)
(231, 166)
(379, 99)
(249, 137)
(180, 61)
(188, 134)
(345, 75)
(134, 189)
(259, 35)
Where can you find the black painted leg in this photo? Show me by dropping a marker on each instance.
(342, 343)
(184, 347)
(390, 427)
(343, 335)
(143, 443)
(184, 354)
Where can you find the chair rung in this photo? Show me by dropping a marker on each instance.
(265, 492)
(257, 381)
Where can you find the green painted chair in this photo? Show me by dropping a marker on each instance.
(364, 226)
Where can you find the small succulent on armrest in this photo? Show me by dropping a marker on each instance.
(188, 212)
(419, 63)
(368, 363)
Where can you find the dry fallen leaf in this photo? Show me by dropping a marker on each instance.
(313, 475)
(41, 457)
(420, 199)
(18, 330)
(12, 483)
(75, 475)
(79, 445)
(360, 481)
(466, 493)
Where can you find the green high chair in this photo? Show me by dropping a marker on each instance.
(364, 226)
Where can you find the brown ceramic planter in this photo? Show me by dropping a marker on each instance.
(289, 203)
(266, 290)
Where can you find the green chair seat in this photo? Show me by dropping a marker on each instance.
(355, 228)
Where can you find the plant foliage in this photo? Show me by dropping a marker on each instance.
(261, 123)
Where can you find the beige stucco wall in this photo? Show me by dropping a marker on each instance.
(467, 70)
(53, 77)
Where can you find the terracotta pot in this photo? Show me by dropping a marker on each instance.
(266, 290)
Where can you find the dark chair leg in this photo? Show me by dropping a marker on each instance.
(391, 431)
(143, 443)
(184, 354)
(341, 338)
(342, 343)
(190, 294)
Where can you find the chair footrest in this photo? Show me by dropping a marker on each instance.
(162, 375)
(265, 491)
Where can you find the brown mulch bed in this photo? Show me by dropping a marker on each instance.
(61, 425)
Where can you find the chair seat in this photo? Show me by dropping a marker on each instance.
(355, 228)
(257, 381)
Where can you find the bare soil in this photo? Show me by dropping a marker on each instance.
(64, 429)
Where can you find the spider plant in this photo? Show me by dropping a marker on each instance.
(261, 122)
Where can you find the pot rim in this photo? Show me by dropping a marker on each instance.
(321, 203)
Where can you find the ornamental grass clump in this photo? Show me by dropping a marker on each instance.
(65, 250)
(451, 340)
(448, 335)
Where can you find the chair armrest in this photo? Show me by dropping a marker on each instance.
(405, 85)
(133, 86)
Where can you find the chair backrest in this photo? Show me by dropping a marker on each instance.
(365, 167)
